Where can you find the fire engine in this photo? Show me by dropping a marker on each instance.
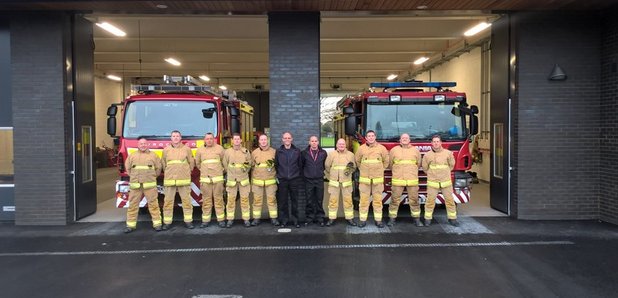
(391, 109)
(154, 111)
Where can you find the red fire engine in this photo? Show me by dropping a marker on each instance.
(413, 108)
(156, 110)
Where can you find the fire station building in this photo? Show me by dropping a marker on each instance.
(546, 83)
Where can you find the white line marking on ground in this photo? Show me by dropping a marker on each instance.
(217, 296)
(282, 248)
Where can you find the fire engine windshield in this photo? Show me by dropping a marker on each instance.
(157, 119)
(420, 121)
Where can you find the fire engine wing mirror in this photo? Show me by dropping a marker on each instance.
(456, 111)
(474, 125)
(111, 126)
(234, 112)
(350, 125)
(112, 110)
(208, 113)
(235, 121)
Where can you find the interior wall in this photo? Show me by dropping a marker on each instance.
(106, 92)
(466, 71)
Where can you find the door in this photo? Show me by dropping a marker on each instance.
(501, 78)
(84, 169)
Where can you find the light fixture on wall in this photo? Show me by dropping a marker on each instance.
(557, 74)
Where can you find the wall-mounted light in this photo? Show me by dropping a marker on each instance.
(111, 29)
(391, 77)
(557, 74)
(476, 29)
(114, 78)
(204, 78)
(420, 60)
(172, 61)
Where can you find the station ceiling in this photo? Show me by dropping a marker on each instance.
(361, 41)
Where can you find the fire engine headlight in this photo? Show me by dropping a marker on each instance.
(394, 97)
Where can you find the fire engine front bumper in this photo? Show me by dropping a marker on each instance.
(460, 196)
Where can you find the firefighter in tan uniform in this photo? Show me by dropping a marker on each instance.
(209, 159)
(178, 162)
(338, 168)
(263, 180)
(143, 167)
(405, 160)
(237, 163)
(372, 159)
(438, 164)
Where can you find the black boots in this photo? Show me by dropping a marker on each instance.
(391, 222)
(417, 222)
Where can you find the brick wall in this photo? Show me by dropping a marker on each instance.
(608, 207)
(294, 46)
(558, 123)
(41, 110)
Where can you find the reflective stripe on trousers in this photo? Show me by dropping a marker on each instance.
(266, 182)
(211, 180)
(232, 183)
(177, 182)
(437, 184)
(336, 184)
(146, 185)
(403, 182)
(366, 180)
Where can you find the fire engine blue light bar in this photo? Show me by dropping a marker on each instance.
(413, 84)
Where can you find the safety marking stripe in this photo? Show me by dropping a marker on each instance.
(275, 248)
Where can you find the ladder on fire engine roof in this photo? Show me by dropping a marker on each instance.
(175, 84)
(413, 84)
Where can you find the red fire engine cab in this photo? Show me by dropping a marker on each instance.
(391, 109)
(154, 111)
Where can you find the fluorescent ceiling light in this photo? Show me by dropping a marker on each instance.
(114, 78)
(111, 29)
(476, 29)
(204, 78)
(420, 60)
(222, 87)
(172, 61)
(391, 77)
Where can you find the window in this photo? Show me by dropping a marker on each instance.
(498, 150)
(6, 158)
(87, 159)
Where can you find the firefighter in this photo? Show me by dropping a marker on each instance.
(289, 171)
(178, 162)
(405, 160)
(338, 167)
(209, 159)
(237, 163)
(143, 167)
(312, 159)
(372, 159)
(264, 181)
(438, 164)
